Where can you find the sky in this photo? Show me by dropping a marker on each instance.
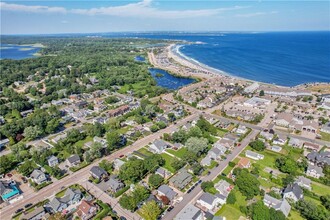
(82, 16)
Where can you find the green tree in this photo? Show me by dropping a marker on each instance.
(177, 164)
(155, 180)
(32, 132)
(197, 145)
(326, 201)
(26, 168)
(149, 211)
(114, 140)
(261, 93)
(312, 211)
(106, 165)
(247, 183)
(207, 185)
(286, 165)
(231, 199)
(258, 145)
(154, 128)
(260, 211)
(133, 170)
(52, 126)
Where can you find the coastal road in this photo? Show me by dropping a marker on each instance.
(189, 197)
(83, 174)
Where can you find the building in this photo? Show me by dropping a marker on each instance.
(223, 187)
(254, 155)
(115, 184)
(251, 88)
(244, 163)
(319, 159)
(190, 212)
(73, 160)
(163, 172)
(86, 210)
(208, 201)
(118, 111)
(117, 163)
(9, 191)
(4, 142)
(158, 146)
(98, 173)
(181, 179)
(52, 161)
(304, 182)
(38, 176)
(37, 214)
(326, 128)
(166, 191)
(275, 148)
(71, 196)
(256, 102)
(293, 192)
(278, 205)
(102, 141)
(314, 171)
(295, 142)
(241, 129)
(206, 161)
(311, 146)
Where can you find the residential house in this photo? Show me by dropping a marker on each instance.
(86, 210)
(304, 182)
(268, 136)
(117, 163)
(115, 184)
(52, 161)
(278, 205)
(181, 179)
(71, 196)
(241, 129)
(251, 88)
(314, 171)
(295, 142)
(190, 212)
(73, 160)
(244, 163)
(4, 142)
(326, 128)
(254, 155)
(38, 176)
(158, 146)
(206, 161)
(280, 140)
(208, 201)
(223, 187)
(37, 214)
(293, 192)
(163, 172)
(319, 159)
(312, 146)
(283, 119)
(98, 173)
(275, 148)
(167, 191)
(256, 102)
(118, 111)
(310, 126)
(102, 141)
(8, 190)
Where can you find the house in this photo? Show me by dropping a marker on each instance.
(190, 212)
(38, 176)
(71, 196)
(102, 141)
(52, 161)
(256, 102)
(117, 163)
(98, 173)
(278, 205)
(275, 148)
(293, 192)
(158, 146)
(280, 140)
(208, 201)
(8, 190)
(36, 214)
(319, 159)
(283, 119)
(73, 160)
(163, 172)
(181, 179)
(310, 126)
(86, 210)
(4, 142)
(251, 88)
(311, 146)
(244, 163)
(254, 155)
(268, 136)
(167, 191)
(215, 153)
(241, 129)
(223, 187)
(81, 104)
(206, 161)
(115, 184)
(326, 128)
(314, 171)
(295, 142)
(304, 182)
(118, 111)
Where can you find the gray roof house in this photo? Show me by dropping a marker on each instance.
(163, 172)
(36, 214)
(73, 160)
(208, 201)
(98, 173)
(326, 128)
(38, 176)
(71, 196)
(254, 155)
(117, 163)
(314, 171)
(158, 146)
(115, 184)
(190, 212)
(52, 161)
(167, 191)
(294, 142)
(206, 161)
(280, 205)
(304, 182)
(181, 179)
(223, 187)
(320, 159)
(293, 192)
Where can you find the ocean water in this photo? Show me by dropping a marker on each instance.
(169, 81)
(17, 52)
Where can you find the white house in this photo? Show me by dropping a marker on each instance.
(304, 182)
(208, 201)
(38, 176)
(280, 205)
(158, 146)
(52, 161)
(314, 171)
(293, 192)
(254, 155)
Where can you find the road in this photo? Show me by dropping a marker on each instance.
(187, 198)
(83, 174)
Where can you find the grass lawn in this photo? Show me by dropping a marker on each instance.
(320, 189)
(82, 142)
(144, 151)
(168, 160)
(236, 160)
(294, 215)
(221, 132)
(230, 212)
(325, 136)
(307, 198)
(123, 130)
(227, 170)
(179, 153)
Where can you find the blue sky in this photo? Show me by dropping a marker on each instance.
(82, 16)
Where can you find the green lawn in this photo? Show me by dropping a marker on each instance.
(294, 215)
(230, 212)
(221, 132)
(144, 151)
(227, 170)
(82, 142)
(178, 153)
(320, 189)
(168, 160)
(325, 136)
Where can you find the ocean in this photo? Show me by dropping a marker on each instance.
(281, 58)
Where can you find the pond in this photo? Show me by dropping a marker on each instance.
(140, 59)
(17, 52)
(168, 81)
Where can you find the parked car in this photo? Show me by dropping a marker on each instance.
(19, 210)
(28, 205)
(170, 208)
(24, 179)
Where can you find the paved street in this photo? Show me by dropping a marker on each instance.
(187, 198)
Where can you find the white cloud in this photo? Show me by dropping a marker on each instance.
(143, 9)
(33, 8)
(255, 14)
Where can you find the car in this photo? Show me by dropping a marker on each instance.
(19, 210)
(192, 188)
(217, 165)
(63, 187)
(9, 175)
(189, 191)
(28, 205)
(170, 208)
(24, 179)
(121, 156)
(208, 173)
(199, 181)
(122, 218)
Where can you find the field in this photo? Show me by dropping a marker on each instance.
(178, 153)
(144, 151)
(232, 211)
(168, 160)
(320, 189)
(325, 136)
